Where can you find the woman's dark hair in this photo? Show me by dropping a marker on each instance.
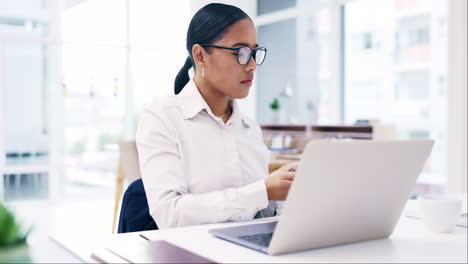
(208, 25)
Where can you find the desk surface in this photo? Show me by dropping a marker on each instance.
(82, 246)
(410, 242)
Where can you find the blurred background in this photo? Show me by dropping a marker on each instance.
(75, 75)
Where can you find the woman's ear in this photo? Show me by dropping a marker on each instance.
(199, 55)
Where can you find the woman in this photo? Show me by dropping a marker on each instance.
(203, 161)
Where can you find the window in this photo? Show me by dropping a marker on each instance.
(158, 52)
(403, 82)
(24, 124)
(93, 88)
(117, 55)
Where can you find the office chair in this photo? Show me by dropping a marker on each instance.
(134, 213)
(128, 171)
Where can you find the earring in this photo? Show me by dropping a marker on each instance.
(203, 72)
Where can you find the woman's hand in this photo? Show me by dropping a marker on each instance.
(279, 181)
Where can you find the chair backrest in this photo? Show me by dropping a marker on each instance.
(134, 213)
(129, 159)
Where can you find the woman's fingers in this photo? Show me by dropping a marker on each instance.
(278, 184)
(288, 175)
(290, 166)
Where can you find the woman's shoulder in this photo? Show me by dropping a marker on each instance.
(164, 106)
(162, 114)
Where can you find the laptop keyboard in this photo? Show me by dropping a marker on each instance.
(259, 239)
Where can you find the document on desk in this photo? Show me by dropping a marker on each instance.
(147, 252)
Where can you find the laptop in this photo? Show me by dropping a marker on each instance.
(343, 192)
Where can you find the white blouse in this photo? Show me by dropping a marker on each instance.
(196, 169)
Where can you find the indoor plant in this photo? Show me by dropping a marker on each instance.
(13, 245)
(275, 107)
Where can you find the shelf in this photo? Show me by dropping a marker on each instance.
(25, 168)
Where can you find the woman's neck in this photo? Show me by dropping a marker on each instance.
(218, 102)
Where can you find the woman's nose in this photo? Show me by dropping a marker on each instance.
(251, 66)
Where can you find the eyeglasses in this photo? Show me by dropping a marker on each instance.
(244, 54)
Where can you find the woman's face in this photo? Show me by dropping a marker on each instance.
(222, 71)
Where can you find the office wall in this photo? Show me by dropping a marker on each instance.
(278, 77)
(457, 91)
(247, 105)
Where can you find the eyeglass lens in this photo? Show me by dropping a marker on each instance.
(245, 53)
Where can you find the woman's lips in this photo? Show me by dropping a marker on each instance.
(247, 82)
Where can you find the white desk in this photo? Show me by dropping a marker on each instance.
(410, 242)
(81, 246)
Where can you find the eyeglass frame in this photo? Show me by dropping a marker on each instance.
(253, 51)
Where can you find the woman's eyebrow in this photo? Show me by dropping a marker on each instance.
(244, 45)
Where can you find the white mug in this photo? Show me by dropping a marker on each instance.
(439, 213)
